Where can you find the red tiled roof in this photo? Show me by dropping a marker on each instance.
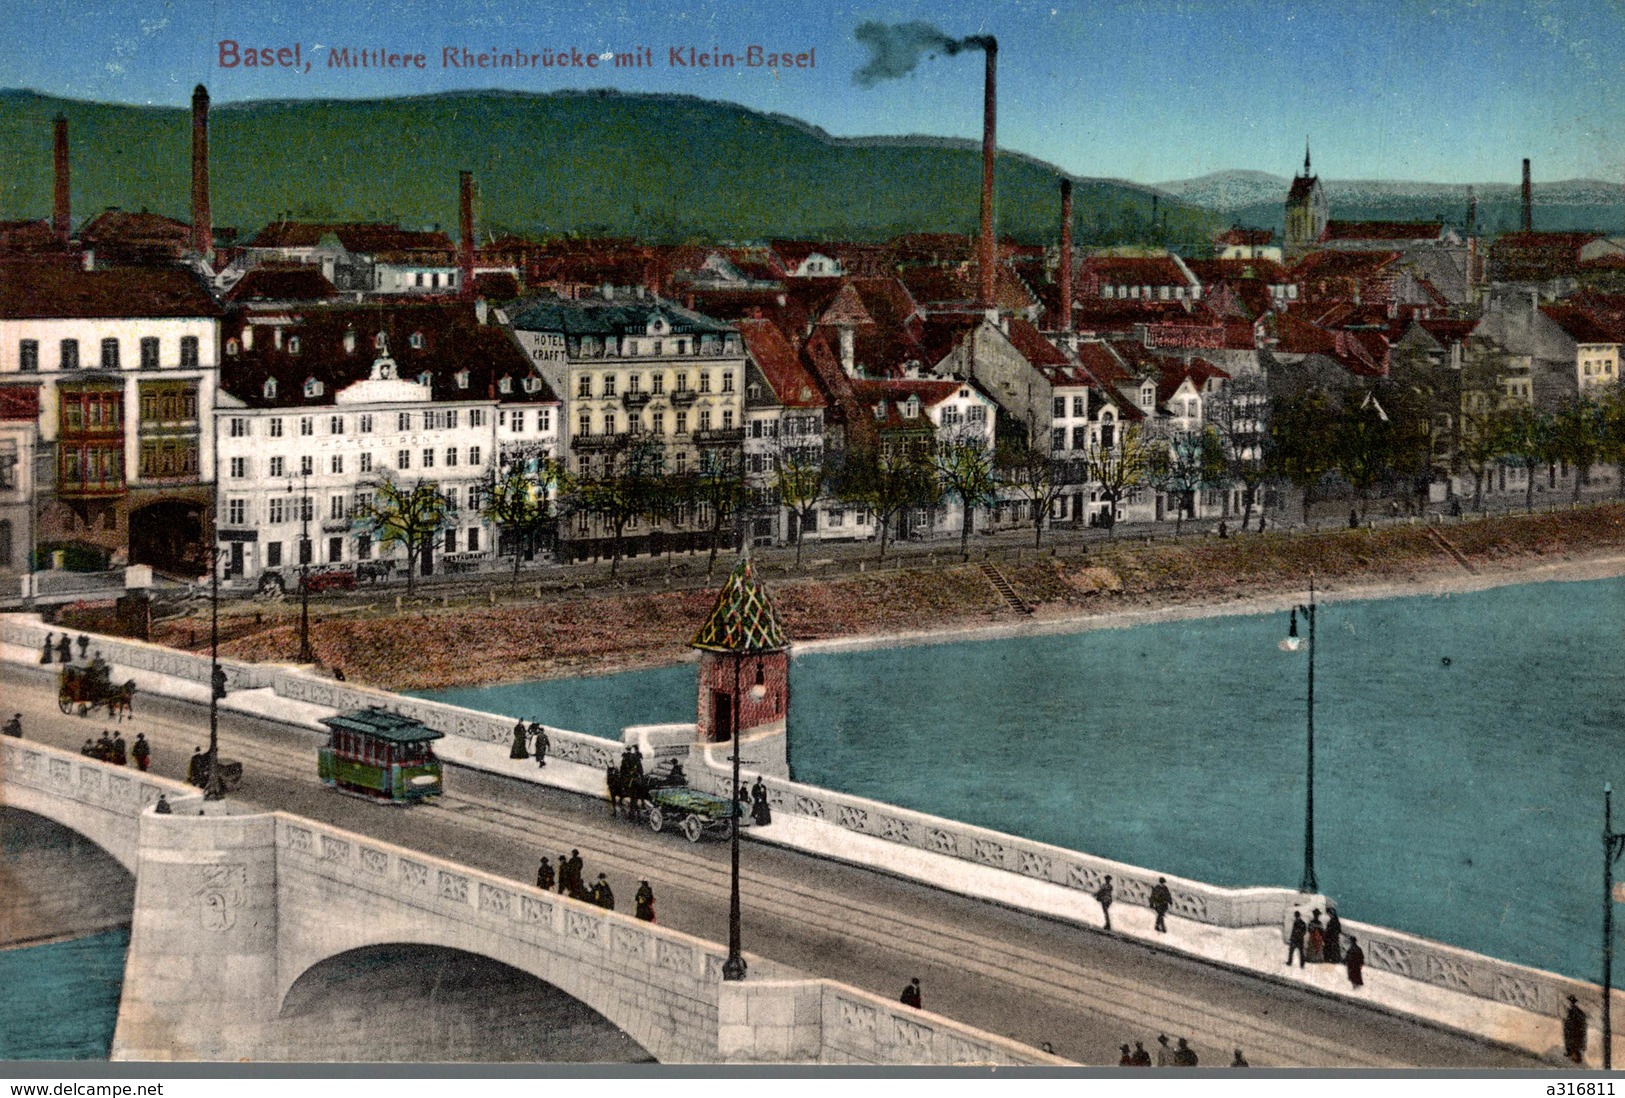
(361, 238)
(776, 357)
(301, 283)
(1247, 238)
(1033, 346)
(1156, 270)
(1382, 230)
(115, 227)
(846, 309)
(869, 394)
(67, 291)
(1584, 326)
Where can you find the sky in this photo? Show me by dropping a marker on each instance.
(1449, 91)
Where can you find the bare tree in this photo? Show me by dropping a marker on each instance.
(801, 478)
(632, 485)
(1118, 470)
(1042, 479)
(518, 500)
(886, 479)
(964, 468)
(1189, 462)
(1239, 413)
(396, 514)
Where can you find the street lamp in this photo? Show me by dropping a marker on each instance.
(1613, 845)
(1291, 644)
(213, 790)
(734, 967)
(306, 655)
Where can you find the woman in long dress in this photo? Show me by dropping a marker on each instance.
(1316, 952)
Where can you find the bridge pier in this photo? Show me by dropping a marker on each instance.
(201, 979)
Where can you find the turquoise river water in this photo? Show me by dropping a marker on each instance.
(60, 1000)
(1462, 742)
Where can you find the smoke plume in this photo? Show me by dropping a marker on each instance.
(895, 48)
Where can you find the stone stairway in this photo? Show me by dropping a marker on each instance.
(1444, 543)
(1006, 592)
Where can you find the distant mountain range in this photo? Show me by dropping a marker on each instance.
(1257, 199)
(659, 167)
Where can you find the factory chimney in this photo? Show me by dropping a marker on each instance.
(202, 222)
(1065, 273)
(1528, 200)
(465, 229)
(59, 215)
(989, 253)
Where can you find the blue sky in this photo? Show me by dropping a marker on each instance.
(1149, 90)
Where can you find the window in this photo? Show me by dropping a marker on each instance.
(269, 388)
(682, 423)
(682, 383)
(189, 349)
(273, 549)
(1080, 438)
(682, 455)
(68, 350)
(659, 346)
(109, 354)
(149, 353)
(1080, 407)
(237, 511)
(544, 420)
(415, 340)
(727, 381)
(727, 418)
(518, 422)
(28, 355)
(1057, 439)
(231, 348)
(275, 427)
(476, 417)
(474, 455)
(609, 423)
(366, 463)
(976, 413)
(504, 384)
(657, 384)
(314, 388)
(307, 511)
(293, 345)
(609, 385)
(279, 467)
(335, 507)
(335, 425)
(403, 421)
(336, 464)
(307, 465)
(634, 384)
(584, 385)
(474, 540)
(239, 468)
(658, 422)
(364, 423)
(451, 455)
(428, 458)
(403, 459)
(237, 427)
(363, 547)
(705, 419)
(451, 419)
(307, 425)
(705, 381)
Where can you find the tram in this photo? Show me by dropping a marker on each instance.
(379, 754)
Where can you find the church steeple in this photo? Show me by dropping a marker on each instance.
(1306, 157)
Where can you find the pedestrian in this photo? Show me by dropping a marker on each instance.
(338, 674)
(1294, 943)
(84, 646)
(194, 768)
(88, 750)
(104, 747)
(911, 994)
(1334, 937)
(761, 813)
(1354, 961)
(1354, 519)
(141, 752)
(64, 650)
(1260, 524)
(14, 727)
(1161, 901)
(1574, 1032)
(644, 902)
(1240, 1061)
(601, 894)
(636, 760)
(1142, 1058)
(544, 876)
(121, 756)
(50, 647)
(1455, 507)
(542, 743)
(1103, 896)
(564, 874)
(162, 807)
(1165, 1055)
(578, 884)
(1127, 1059)
(517, 751)
(1224, 530)
(1184, 1055)
(1316, 953)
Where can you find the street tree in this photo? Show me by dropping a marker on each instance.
(1038, 476)
(801, 476)
(1369, 446)
(410, 516)
(630, 484)
(517, 499)
(1577, 436)
(719, 491)
(1239, 413)
(1117, 470)
(1612, 402)
(1188, 463)
(886, 478)
(1301, 441)
(1528, 442)
(964, 468)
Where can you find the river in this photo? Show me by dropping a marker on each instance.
(1462, 742)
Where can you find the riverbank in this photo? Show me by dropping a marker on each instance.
(572, 633)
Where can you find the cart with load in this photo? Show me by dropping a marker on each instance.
(82, 689)
(690, 810)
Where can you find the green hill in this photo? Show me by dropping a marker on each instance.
(660, 167)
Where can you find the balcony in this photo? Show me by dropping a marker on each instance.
(725, 436)
(635, 401)
(682, 398)
(601, 442)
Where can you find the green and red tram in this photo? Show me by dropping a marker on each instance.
(380, 754)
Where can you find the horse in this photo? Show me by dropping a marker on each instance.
(120, 702)
(617, 791)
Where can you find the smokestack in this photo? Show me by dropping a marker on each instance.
(1528, 200)
(59, 215)
(202, 222)
(1066, 255)
(465, 229)
(1472, 212)
(989, 248)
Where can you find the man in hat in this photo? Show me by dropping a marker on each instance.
(14, 727)
(1161, 901)
(141, 752)
(1103, 896)
(644, 902)
(911, 994)
(1574, 1032)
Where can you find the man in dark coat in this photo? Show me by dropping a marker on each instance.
(578, 886)
(1127, 1059)
(194, 767)
(1240, 1061)
(1184, 1055)
(542, 743)
(1354, 961)
(601, 894)
(49, 649)
(1161, 901)
(84, 646)
(761, 813)
(88, 750)
(644, 902)
(121, 751)
(544, 876)
(517, 751)
(1294, 944)
(1142, 1058)
(1334, 937)
(1165, 1055)
(911, 994)
(64, 650)
(1103, 896)
(564, 874)
(141, 752)
(162, 807)
(1574, 1032)
(14, 727)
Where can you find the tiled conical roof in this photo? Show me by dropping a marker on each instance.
(742, 619)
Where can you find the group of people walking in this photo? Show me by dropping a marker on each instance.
(530, 740)
(1315, 942)
(1160, 901)
(1177, 1055)
(570, 880)
(62, 648)
(111, 748)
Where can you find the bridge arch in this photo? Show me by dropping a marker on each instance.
(413, 1003)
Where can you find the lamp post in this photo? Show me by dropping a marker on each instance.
(1613, 845)
(1291, 644)
(213, 790)
(734, 967)
(306, 655)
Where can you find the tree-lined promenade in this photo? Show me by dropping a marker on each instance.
(556, 621)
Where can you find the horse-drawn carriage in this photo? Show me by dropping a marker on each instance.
(90, 687)
(664, 799)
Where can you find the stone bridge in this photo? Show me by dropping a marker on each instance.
(232, 907)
